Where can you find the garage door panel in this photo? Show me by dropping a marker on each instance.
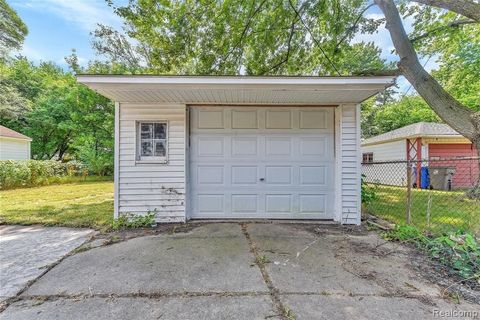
(245, 119)
(278, 119)
(244, 175)
(210, 203)
(278, 175)
(278, 203)
(314, 119)
(209, 146)
(210, 119)
(313, 146)
(244, 203)
(313, 175)
(210, 175)
(278, 146)
(312, 203)
(244, 147)
(262, 164)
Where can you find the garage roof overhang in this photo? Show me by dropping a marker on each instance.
(236, 89)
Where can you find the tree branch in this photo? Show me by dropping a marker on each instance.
(466, 8)
(354, 25)
(287, 55)
(435, 30)
(313, 37)
(253, 13)
(455, 114)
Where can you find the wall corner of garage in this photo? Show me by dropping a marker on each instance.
(348, 164)
(116, 164)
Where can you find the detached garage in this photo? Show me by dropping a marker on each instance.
(196, 147)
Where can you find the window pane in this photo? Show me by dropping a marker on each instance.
(160, 130)
(147, 149)
(160, 149)
(147, 130)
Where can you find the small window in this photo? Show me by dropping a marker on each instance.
(152, 141)
(367, 157)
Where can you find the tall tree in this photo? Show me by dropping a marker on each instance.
(458, 116)
(241, 37)
(63, 117)
(12, 30)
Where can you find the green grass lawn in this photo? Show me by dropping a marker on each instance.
(450, 210)
(80, 204)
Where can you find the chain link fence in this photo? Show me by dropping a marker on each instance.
(438, 195)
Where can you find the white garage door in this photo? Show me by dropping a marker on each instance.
(262, 162)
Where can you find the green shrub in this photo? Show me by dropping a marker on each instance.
(29, 173)
(129, 221)
(460, 251)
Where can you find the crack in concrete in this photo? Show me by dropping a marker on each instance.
(5, 304)
(284, 312)
(136, 295)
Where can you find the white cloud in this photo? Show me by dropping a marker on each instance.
(85, 14)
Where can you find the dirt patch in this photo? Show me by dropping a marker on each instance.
(322, 229)
(452, 285)
(378, 260)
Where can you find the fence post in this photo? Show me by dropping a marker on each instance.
(409, 193)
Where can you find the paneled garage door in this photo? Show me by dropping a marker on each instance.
(262, 162)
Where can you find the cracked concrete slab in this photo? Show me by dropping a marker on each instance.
(209, 272)
(193, 262)
(25, 252)
(196, 308)
(333, 307)
(303, 261)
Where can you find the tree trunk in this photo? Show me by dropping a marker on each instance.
(466, 8)
(459, 117)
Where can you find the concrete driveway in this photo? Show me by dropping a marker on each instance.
(26, 252)
(239, 271)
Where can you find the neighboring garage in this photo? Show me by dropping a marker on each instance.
(235, 147)
(262, 162)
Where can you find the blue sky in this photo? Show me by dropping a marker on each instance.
(58, 26)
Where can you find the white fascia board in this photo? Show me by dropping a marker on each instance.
(239, 82)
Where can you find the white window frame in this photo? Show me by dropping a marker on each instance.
(150, 159)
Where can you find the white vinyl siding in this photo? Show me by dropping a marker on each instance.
(389, 151)
(158, 187)
(394, 174)
(349, 164)
(14, 149)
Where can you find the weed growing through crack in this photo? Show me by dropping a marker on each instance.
(263, 260)
(129, 221)
(82, 248)
(288, 314)
(112, 240)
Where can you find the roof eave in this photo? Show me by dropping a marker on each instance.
(444, 136)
